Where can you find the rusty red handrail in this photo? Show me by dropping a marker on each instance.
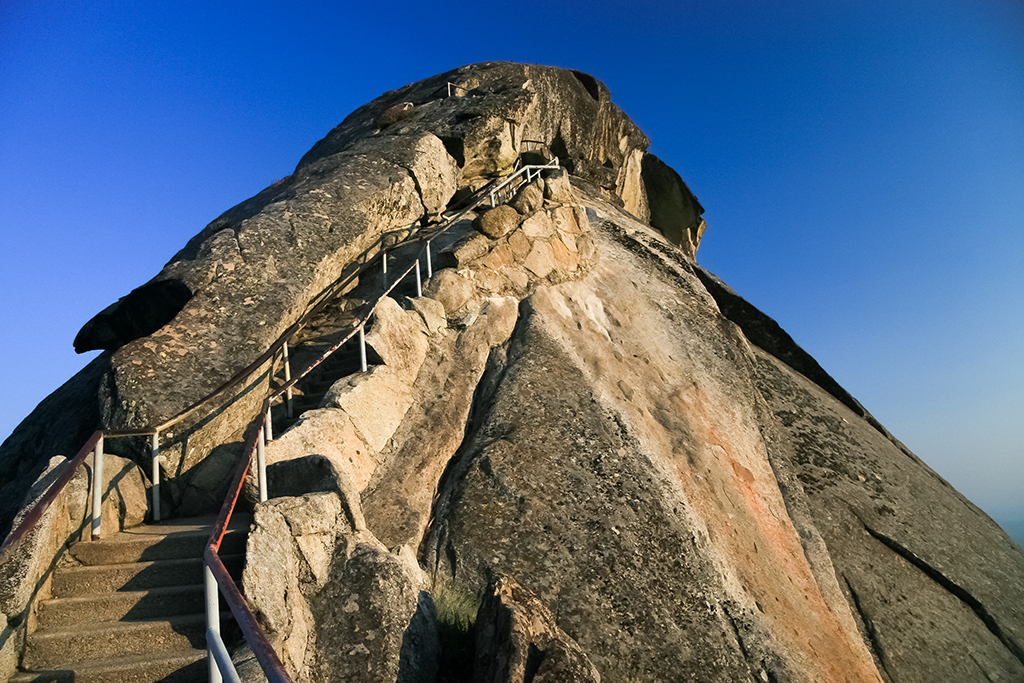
(32, 518)
(246, 620)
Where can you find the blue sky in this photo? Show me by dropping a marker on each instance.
(861, 164)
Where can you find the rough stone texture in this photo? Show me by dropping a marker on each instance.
(451, 289)
(26, 568)
(327, 432)
(904, 544)
(557, 188)
(337, 605)
(599, 503)
(497, 222)
(673, 208)
(466, 249)
(398, 501)
(519, 640)
(432, 312)
(253, 271)
(681, 491)
(26, 453)
(498, 105)
(530, 198)
(140, 313)
(124, 494)
(632, 189)
(363, 614)
(377, 400)
(538, 226)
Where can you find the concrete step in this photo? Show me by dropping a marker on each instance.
(186, 666)
(156, 603)
(72, 582)
(161, 541)
(60, 649)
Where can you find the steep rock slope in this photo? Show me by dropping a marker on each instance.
(631, 472)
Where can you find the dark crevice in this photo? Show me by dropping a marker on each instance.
(953, 588)
(419, 190)
(139, 314)
(589, 83)
(534, 657)
(881, 655)
(456, 148)
(739, 640)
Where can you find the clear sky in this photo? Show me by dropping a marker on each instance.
(861, 164)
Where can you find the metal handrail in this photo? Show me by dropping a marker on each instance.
(216, 577)
(93, 445)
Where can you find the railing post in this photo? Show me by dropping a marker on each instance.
(492, 199)
(430, 270)
(212, 621)
(384, 271)
(270, 427)
(362, 348)
(287, 378)
(261, 464)
(419, 280)
(97, 488)
(155, 450)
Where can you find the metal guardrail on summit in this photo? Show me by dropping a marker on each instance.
(216, 577)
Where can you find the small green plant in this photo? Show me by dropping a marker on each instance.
(456, 607)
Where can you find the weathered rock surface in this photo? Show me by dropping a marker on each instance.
(498, 222)
(519, 640)
(673, 208)
(25, 571)
(643, 476)
(337, 604)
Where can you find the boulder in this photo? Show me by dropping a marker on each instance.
(328, 433)
(557, 188)
(374, 622)
(674, 211)
(124, 494)
(530, 198)
(397, 337)
(463, 251)
(432, 312)
(497, 222)
(27, 565)
(538, 226)
(451, 289)
(398, 502)
(518, 639)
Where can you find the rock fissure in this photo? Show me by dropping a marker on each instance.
(881, 654)
(951, 586)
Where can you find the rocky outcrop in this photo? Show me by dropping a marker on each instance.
(634, 473)
(337, 605)
(674, 211)
(519, 640)
(27, 568)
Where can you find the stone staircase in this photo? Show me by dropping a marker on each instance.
(133, 610)
(321, 333)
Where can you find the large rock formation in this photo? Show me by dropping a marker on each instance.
(580, 457)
